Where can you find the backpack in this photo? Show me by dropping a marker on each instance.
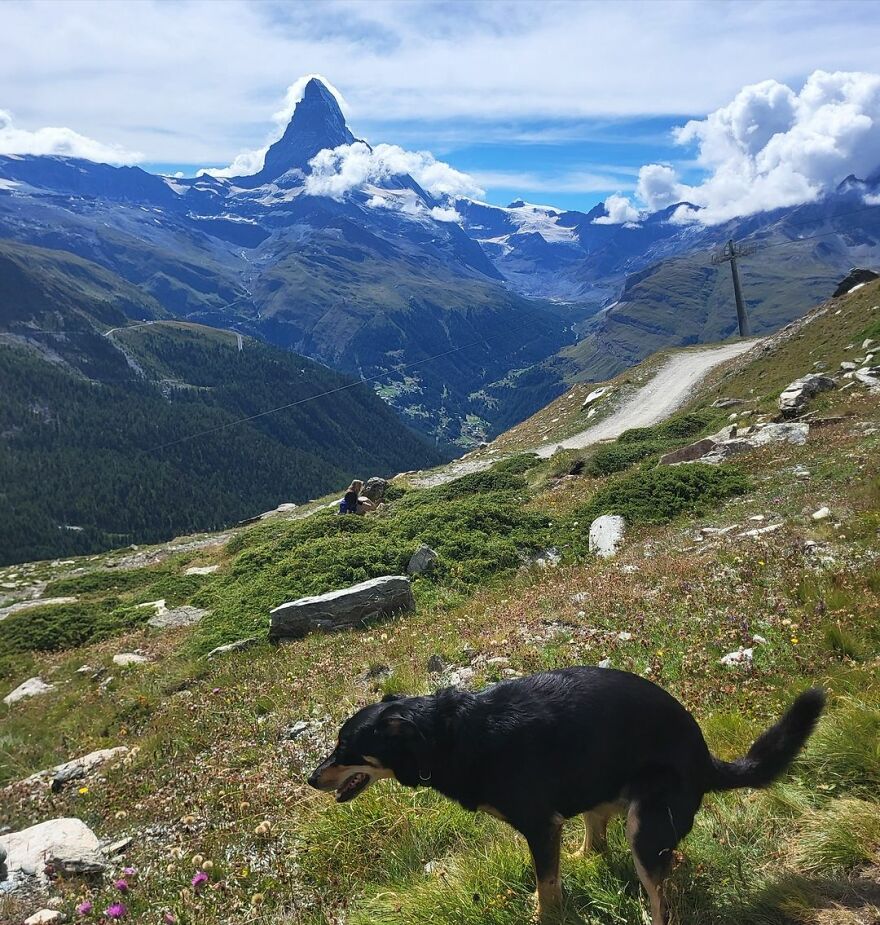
(345, 507)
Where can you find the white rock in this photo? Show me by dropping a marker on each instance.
(759, 640)
(68, 844)
(605, 663)
(33, 687)
(606, 535)
(85, 764)
(822, 514)
(867, 343)
(762, 530)
(740, 657)
(126, 659)
(624, 636)
(201, 569)
(595, 395)
(45, 917)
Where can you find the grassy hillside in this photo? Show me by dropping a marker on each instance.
(217, 781)
(89, 406)
(686, 300)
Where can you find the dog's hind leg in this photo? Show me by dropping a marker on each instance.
(595, 827)
(544, 843)
(654, 827)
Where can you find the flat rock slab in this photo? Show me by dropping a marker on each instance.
(177, 616)
(343, 609)
(66, 845)
(798, 393)
(127, 659)
(77, 767)
(33, 687)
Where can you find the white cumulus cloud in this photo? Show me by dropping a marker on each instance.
(771, 147)
(59, 141)
(620, 212)
(338, 171)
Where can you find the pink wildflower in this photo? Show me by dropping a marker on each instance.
(121, 885)
(169, 919)
(200, 878)
(115, 911)
(84, 908)
(129, 871)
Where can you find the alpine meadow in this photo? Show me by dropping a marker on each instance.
(443, 489)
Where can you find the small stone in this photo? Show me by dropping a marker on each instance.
(236, 646)
(822, 514)
(499, 660)
(436, 665)
(740, 657)
(201, 570)
(296, 730)
(606, 535)
(45, 917)
(127, 659)
(33, 687)
(422, 561)
(605, 663)
(624, 636)
(759, 640)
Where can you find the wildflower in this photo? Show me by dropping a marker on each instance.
(257, 899)
(208, 865)
(794, 640)
(199, 878)
(121, 885)
(217, 690)
(122, 814)
(83, 791)
(129, 871)
(169, 919)
(115, 911)
(84, 908)
(198, 860)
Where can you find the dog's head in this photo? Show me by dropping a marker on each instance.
(382, 740)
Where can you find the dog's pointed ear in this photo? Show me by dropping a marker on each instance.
(390, 698)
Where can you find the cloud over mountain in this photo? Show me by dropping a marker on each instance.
(338, 171)
(60, 141)
(771, 147)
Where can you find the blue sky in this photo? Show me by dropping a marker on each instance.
(554, 102)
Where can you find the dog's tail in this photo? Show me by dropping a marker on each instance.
(774, 751)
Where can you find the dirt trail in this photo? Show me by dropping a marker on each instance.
(670, 387)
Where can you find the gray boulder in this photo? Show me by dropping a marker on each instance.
(33, 687)
(374, 489)
(801, 391)
(606, 534)
(178, 616)
(343, 609)
(689, 453)
(66, 846)
(236, 646)
(422, 561)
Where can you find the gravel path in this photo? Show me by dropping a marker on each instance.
(670, 387)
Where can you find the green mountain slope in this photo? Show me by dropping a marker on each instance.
(84, 417)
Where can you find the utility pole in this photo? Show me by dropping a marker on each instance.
(729, 254)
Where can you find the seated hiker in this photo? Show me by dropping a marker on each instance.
(353, 502)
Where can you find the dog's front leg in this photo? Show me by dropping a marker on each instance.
(544, 841)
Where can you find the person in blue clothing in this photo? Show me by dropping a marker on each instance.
(352, 502)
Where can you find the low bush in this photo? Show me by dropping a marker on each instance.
(661, 494)
(642, 443)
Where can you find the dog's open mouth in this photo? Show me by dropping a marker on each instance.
(351, 787)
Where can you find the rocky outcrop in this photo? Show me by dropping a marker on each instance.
(731, 441)
(33, 687)
(374, 489)
(606, 535)
(422, 561)
(76, 768)
(343, 609)
(793, 399)
(63, 846)
(856, 276)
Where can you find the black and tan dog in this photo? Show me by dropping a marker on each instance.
(538, 750)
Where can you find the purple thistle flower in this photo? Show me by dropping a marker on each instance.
(84, 908)
(121, 885)
(130, 871)
(115, 911)
(200, 878)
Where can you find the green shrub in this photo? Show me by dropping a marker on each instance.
(642, 443)
(519, 464)
(661, 494)
(475, 483)
(63, 626)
